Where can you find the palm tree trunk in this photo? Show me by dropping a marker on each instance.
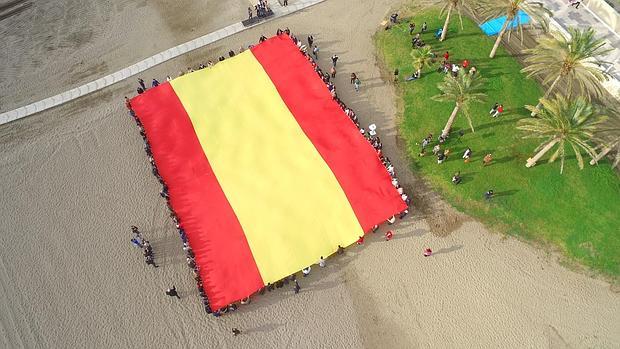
(532, 161)
(601, 155)
(546, 94)
(445, 25)
(499, 37)
(446, 130)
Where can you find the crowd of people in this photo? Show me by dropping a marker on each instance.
(370, 135)
(261, 9)
(448, 67)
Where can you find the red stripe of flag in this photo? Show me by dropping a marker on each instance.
(348, 154)
(227, 267)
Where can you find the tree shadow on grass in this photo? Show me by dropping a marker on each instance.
(496, 123)
(505, 193)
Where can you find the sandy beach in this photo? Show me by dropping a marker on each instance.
(75, 178)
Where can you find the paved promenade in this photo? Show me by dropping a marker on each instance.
(147, 63)
(568, 16)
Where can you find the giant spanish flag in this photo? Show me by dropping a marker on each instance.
(264, 170)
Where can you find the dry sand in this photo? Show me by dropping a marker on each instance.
(75, 178)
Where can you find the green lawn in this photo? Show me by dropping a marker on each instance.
(579, 212)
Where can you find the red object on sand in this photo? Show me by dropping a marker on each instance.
(388, 235)
(428, 252)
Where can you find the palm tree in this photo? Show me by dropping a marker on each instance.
(510, 8)
(607, 147)
(422, 58)
(448, 6)
(573, 60)
(563, 121)
(463, 90)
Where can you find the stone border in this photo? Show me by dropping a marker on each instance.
(145, 64)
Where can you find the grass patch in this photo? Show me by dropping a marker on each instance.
(579, 212)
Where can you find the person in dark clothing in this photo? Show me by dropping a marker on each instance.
(411, 28)
(250, 13)
(141, 83)
(155, 83)
(310, 40)
(488, 195)
(172, 292)
(140, 90)
(231, 53)
(236, 331)
(297, 287)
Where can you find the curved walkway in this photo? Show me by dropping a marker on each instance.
(147, 63)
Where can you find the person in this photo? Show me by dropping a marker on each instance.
(154, 83)
(441, 158)
(487, 159)
(334, 60)
(411, 28)
(296, 288)
(306, 271)
(575, 3)
(285, 3)
(391, 220)
(438, 33)
(136, 242)
(414, 76)
(498, 111)
(322, 262)
(172, 292)
(446, 56)
(396, 72)
(127, 103)
(333, 71)
(428, 252)
(356, 84)
(236, 331)
(340, 249)
(456, 179)
(250, 14)
(388, 235)
(310, 40)
(141, 83)
(353, 77)
(467, 154)
(231, 53)
(489, 194)
(493, 108)
(465, 64)
(140, 90)
(148, 258)
(436, 149)
(455, 70)
(424, 27)
(472, 71)
(168, 78)
(360, 241)
(315, 51)
(394, 18)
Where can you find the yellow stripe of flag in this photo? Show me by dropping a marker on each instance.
(252, 140)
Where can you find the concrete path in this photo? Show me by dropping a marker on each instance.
(147, 63)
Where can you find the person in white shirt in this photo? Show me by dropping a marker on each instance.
(322, 262)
